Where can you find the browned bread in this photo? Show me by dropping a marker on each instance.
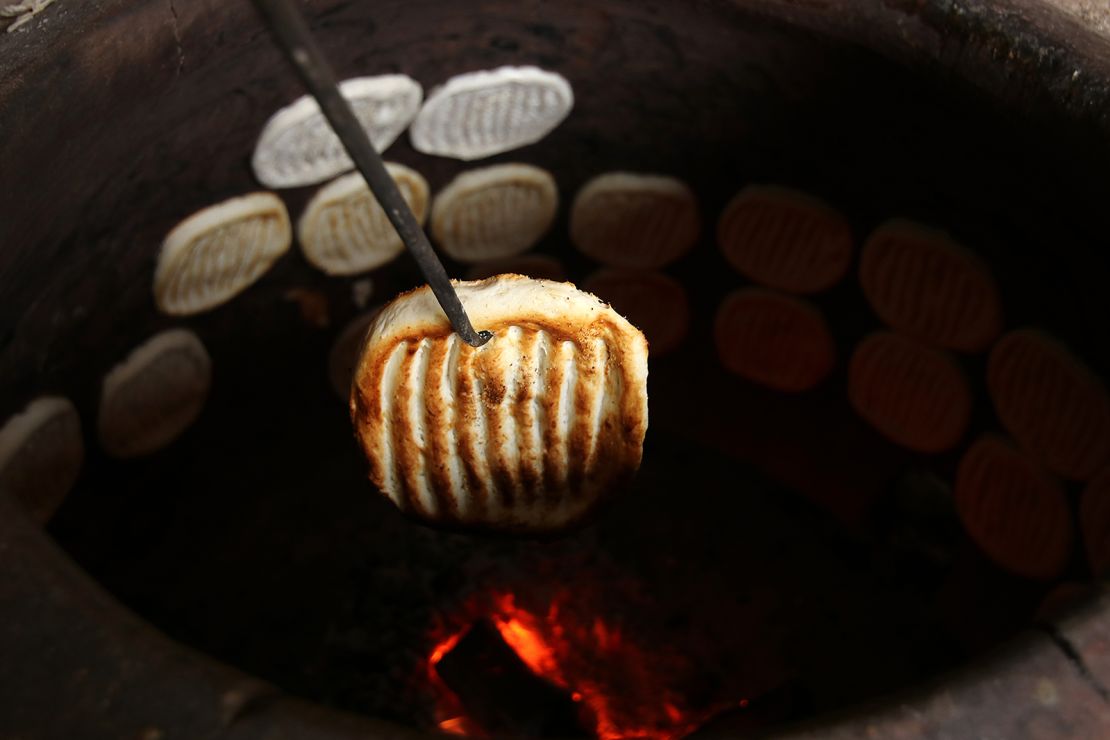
(1016, 513)
(633, 220)
(526, 433)
(773, 339)
(916, 396)
(785, 239)
(922, 283)
(1051, 403)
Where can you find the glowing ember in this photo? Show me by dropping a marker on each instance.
(449, 712)
(623, 687)
(445, 646)
(460, 726)
(523, 634)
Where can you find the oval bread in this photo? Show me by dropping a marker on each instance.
(785, 239)
(922, 283)
(479, 114)
(155, 394)
(528, 432)
(41, 453)
(625, 219)
(914, 395)
(774, 339)
(344, 230)
(1050, 402)
(220, 251)
(1016, 513)
(297, 146)
(494, 212)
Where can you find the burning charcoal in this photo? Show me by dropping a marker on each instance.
(500, 694)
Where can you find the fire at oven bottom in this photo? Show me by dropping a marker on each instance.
(720, 593)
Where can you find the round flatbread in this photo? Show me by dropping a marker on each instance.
(528, 432)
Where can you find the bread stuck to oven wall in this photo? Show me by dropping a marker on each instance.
(526, 433)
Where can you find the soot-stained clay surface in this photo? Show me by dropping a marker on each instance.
(117, 119)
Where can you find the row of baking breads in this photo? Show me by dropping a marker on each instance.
(471, 116)
(626, 220)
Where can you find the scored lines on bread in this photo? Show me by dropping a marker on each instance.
(528, 432)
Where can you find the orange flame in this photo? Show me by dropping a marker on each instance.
(443, 647)
(569, 656)
(621, 688)
(460, 725)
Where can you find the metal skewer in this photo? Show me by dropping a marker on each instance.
(295, 39)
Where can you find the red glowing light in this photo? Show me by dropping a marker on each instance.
(625, 686)
(458, 726)
(449, 715)
(621, 694)
(521, 632)
(445, 646)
